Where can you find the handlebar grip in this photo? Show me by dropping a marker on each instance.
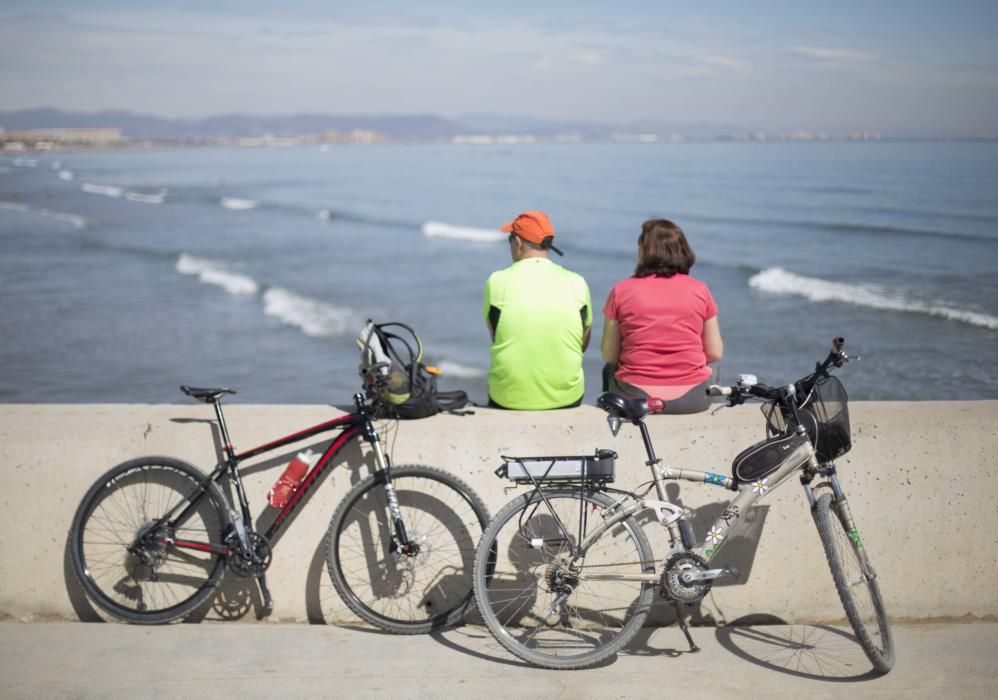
(716, 390)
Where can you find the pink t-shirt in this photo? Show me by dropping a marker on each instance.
(661, 329)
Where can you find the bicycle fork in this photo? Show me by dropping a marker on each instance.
(401, 539)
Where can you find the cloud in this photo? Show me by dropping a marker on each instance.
(837, 55)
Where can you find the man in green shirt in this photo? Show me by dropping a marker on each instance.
(539, 315)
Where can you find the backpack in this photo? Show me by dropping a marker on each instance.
(395, 377)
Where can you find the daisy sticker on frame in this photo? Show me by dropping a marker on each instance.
(714, 535)
(760, 486)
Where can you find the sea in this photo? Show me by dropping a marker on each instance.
(125, 273)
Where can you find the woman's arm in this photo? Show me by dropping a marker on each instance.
(610, 345)
(713, 346)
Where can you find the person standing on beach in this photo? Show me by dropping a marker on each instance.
(661, 337)
(539, 315)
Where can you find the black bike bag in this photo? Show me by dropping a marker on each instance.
(764, 458)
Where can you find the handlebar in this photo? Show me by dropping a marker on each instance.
(748, 387)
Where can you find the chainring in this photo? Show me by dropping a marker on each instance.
(674, 588)
(252, 563)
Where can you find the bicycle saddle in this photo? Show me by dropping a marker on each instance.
(629, 408)
(206, 395)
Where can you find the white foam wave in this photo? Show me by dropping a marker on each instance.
(313, 317)
(323, 215)
(437, 229)
(66, 175)
(211, 272)
(238, 204)
(106, 190)
(56, 164)
(146, 198)
(26, 162)
(74, 219)
(449, 368)
(776, 280)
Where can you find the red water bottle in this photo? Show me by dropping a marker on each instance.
(281, 492)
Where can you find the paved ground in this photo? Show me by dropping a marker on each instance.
(78, 660)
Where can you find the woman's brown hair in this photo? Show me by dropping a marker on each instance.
(663, 250)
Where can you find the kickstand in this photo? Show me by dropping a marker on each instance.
(682, 625)
(268, 602)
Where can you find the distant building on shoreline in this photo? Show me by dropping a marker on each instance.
(103, 136)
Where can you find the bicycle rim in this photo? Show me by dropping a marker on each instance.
(407, 593)
(156, 582)
(857, 587)
(540, 606)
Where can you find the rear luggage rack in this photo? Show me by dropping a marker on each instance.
(597, 467)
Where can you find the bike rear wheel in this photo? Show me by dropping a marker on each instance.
(406, 592)
(547, 608)
(856, 583)
(129, 567)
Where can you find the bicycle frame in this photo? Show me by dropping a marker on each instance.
(669, 514)
(351, 426)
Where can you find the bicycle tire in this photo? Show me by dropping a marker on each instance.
(856, 584)
(395, 592)
(119, 505)
(516, 568)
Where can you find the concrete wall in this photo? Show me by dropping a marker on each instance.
(920, 480)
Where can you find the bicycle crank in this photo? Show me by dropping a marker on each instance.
(251, 563)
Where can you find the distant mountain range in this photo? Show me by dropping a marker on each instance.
(414, 127)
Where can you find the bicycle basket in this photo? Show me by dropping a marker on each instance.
(597, 467)
(825, 415)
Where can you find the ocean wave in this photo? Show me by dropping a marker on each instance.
(449, 368)
(211, 272)
(437, 229)
(56, 164)
(26, 162)
(66, 175)
(144, 198)
(238, 204)
(323, 215)
(314, 318)
(776, 280)
(75, 219)
(106, 190)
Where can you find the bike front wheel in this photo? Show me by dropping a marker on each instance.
(552, 608)
(428, 586)
(856, 582)
(128, 562)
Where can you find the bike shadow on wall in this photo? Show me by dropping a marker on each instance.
(237, 597)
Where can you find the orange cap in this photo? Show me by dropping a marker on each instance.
(533, 226)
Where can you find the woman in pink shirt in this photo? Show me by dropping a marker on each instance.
(661, 328)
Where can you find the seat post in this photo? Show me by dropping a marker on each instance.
(652, 459)
(226, 442)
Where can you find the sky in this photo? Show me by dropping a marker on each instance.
(902, 68)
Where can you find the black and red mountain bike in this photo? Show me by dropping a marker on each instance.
(153, 537)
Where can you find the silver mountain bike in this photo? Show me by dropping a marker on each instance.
(564, 575)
